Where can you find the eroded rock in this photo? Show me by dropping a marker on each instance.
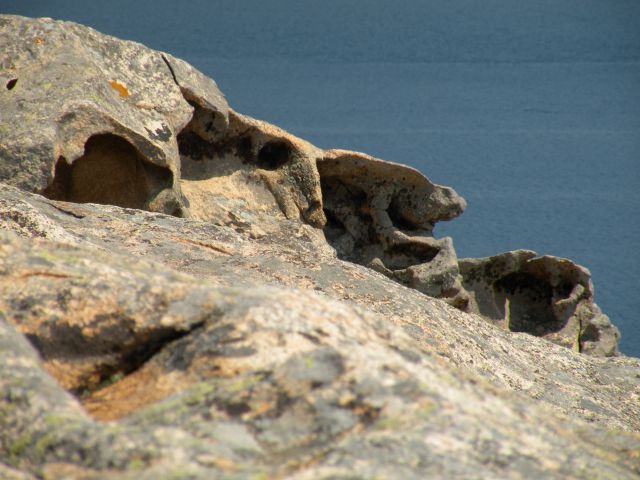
(124, 125)
(382, 215)
(545, 296)
(108, 137)
(234, 343)
(107, 114)
(256, 164)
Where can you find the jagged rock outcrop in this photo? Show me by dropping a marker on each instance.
(238, 336)
(107, 138)
(141, 129)
(545, 296)
(256, 164)
(382, 215)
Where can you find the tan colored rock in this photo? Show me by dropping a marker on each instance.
(210, 372)
(235, 343)
(254, 163)
(124, 125)
(407, 196)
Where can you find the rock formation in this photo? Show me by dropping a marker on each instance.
(187, 292)
(382, 215)
(545, 296)
(108, 113)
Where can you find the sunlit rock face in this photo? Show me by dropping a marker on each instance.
(187, 292)
(120, 124)
(253, 164)
(107, 113)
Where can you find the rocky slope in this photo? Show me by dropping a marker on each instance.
(191, 293)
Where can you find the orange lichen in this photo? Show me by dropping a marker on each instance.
(118, 87)
(38, 40)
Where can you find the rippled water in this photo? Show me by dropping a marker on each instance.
(530, 110)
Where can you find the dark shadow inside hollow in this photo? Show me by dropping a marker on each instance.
(111, 172)
(195, 147)
(208, 152)
(589, 334)
(398, 219)
(334, 228)
(527, 302)
(208, 137)
(274, 154)
(403, 256)
(348, 229)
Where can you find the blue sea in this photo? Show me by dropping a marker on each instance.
(530, 110)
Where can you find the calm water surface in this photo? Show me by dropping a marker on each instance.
(530, 110)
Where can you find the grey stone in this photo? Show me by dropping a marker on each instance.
(382, 215)
(320, 384)
(545, 296)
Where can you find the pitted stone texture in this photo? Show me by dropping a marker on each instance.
(382, 214)
(545, 296)
(75, 102)
(86, 117)
(254, 163)
(405, 194)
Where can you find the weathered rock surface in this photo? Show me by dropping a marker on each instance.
(207, 373)
(124, 125)
(382, 215)
(107, 111)
(256, 164)
(546, 296)
(237, 342)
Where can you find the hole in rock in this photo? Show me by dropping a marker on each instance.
(274, 154)
(207, 151)
(11, 83)
(397, 218)
(111, 172)
(526, 301)
(131, 381)
(108, 369)
(237, 409)
(194, 146)
(244, 149)
(85, 360)
(226, 167)
(564, 290)
(589, 334)
(334, 228)
(348, 229)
